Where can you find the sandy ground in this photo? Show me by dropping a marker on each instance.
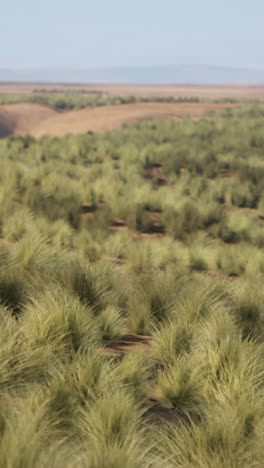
(20, 119)
(212, 92)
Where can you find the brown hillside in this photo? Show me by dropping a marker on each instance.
(19, 119)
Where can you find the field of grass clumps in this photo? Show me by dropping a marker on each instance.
(131, 296)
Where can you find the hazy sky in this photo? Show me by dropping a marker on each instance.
(84, 33)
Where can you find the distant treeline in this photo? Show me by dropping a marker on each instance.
(67, 91)
(78, 99)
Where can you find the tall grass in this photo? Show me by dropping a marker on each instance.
(93, 251)
(111, 432)
(58, 319)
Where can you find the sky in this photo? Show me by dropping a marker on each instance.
(107, 33)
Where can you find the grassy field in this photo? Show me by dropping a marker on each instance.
(131, 296)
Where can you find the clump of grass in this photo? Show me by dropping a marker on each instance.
(7, 323)
(13, 290)
(199, 259)
(232, 379)
(111, 323)
(134, 372)
(235, 229)
(182, 386)
(29, 434)
(157, 291)
(111, 433)
(85, 282)
(221, 441)
(59, 233)
(18, 224)
(117, 244)
(214, 215)
(5, 256)
(180, 223)
(89, 375)
(218, 345)
(34, 256)
(88, 247)
(139, 219)
(58, 319)
(19, 364)
(140, 319)
(232, 260)
(200, 296)
(249, 310)
(244, 196)
(74, 384)
(140, 257)
(59, 198)
(61, 402)
(172, 340)
(100, 222)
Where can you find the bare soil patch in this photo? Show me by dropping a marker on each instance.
(36, 120)
(126, 343)
(19, 119)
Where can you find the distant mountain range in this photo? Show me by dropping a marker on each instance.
(171, 74)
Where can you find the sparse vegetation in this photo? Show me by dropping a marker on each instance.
(131, 296)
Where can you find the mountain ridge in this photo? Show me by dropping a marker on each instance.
(156, 74)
